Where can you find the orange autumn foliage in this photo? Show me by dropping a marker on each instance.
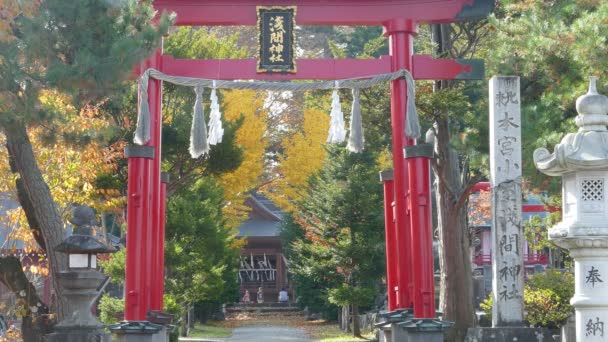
(69, 170)
(480, 208)
(11, 9)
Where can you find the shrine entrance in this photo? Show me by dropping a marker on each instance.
(410, 278)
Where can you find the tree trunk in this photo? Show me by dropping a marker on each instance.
(13, 277)
(42, 205)
(345, 319)
(191, 318)
(356, 323)
(456, 295)
(187, 320)
(28, 209)
(184, 328)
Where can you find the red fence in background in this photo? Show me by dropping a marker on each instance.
(529, 259)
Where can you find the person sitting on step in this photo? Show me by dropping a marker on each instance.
(283, 296)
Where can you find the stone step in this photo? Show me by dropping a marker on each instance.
(260, 309)
(264, 316)
(265, 304)
(268, 313)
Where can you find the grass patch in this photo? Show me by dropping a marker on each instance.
(210, 330)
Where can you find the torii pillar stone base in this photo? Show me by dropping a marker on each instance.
(508, 334)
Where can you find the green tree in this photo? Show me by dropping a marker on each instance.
(366, 42)
(85, 49)
(458, 163)
(553, 49)
(342, 252)
(310, 267)
(200, 251)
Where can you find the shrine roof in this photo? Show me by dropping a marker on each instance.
(259, 228)
(264, 219)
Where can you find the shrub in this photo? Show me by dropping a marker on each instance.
(109, 307)
(546, 299)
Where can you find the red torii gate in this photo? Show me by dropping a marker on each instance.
(410, 269)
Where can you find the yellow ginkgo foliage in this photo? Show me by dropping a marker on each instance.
(304, 155)
(70, 170)
(251, 137)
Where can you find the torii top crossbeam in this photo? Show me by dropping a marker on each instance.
(326, 12)
(388, 13)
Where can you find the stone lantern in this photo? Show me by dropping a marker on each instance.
(82, 282)
(581, 159)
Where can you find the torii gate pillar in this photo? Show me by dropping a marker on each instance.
(401, 40)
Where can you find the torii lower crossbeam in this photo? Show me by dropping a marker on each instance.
(424, 67)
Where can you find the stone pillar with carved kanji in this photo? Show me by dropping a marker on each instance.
(505, 179)
(581, 159)
(507, 228)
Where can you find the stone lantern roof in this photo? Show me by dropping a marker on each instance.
(585, 150)
(82, 241)
(83, 244)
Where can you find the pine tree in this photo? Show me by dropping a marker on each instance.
(341, 255)
(554, 60)
(200, 251)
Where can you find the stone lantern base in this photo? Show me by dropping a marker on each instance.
(590, 301)
(80, 290)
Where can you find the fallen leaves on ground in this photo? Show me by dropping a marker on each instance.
(240, 319)
(320, 330)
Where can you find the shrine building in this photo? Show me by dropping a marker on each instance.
(262, 263)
